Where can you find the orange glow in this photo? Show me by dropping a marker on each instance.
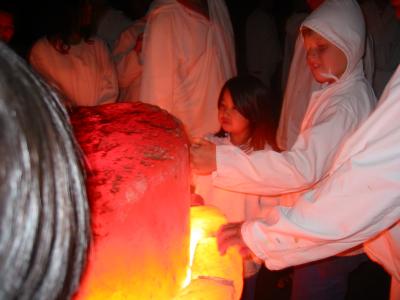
(138, 189)
(212, 276)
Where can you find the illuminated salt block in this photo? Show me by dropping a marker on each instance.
(214, 277)
(138, 188)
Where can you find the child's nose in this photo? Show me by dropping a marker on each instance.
(312, 54)
(228, 112)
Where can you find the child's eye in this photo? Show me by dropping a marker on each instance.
(322, 48)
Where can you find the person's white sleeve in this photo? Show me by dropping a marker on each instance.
(159, 63)
(352, 206)
(268, 172)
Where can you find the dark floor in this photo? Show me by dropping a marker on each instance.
(368, 281)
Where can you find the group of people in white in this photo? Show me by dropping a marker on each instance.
(335, 175)
(326, 187)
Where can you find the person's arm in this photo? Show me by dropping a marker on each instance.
(354, 205)
(270, 173)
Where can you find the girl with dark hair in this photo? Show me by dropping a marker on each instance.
(44, 220)
(246, 103)
(246, 118)
(77, 64)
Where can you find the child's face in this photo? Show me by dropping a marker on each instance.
(230, 119)
(323, 57)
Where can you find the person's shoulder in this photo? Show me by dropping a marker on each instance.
(41, 42)
(355, 88)
(163, 8)
(358, 96)
(168, 15)
(40, 48)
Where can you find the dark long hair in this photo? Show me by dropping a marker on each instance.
(254, 102)
(44, 220)
(64, 19)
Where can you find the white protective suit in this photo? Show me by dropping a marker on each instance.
(128, 62)
(300, 84)
(186, 60)
(334, 113)
(357, 202)
(85, 76)
(384, 28)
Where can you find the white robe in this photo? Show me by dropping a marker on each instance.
(358, 202)
(384, 28)
(186, 60)
(128, 62)
(84, 77)
(333, 114)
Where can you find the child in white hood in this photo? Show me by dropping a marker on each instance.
(334, 38)
(300, 85)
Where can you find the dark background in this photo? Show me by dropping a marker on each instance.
(31, 16)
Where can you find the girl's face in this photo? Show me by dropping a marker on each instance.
(231, 120)
(323, 57)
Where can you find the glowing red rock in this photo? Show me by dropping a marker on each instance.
(138, 188)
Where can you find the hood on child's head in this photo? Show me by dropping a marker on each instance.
(341, 22)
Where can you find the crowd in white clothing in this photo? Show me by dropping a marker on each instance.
(334, 183)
